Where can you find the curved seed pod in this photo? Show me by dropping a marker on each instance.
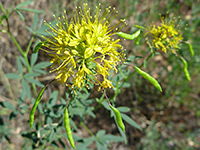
(129, 36)
(38, 46)
(118, 117)
(138, 26)
(68, 129)
(190, 48)
(37, 101)
(185, 69)
(149, 78)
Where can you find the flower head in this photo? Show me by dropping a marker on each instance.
(165, 36)
(83, 49)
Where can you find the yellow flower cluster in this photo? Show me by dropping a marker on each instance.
(83, 50)
(166, 36)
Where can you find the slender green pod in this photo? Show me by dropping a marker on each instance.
(67, 128)
(137, 40)
(129, 36)
(138, 26)
(37, 101)
(118, 117)
(185, 69)
(190, 48)
(38, 46)
(149, 78)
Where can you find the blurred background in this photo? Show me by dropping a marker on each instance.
(169, 120)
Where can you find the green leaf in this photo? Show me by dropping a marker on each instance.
(90, 112)
(52, 136)
(123, 134)
(40, 71)
(20, 15)
(73, 124)
(8, 105)
(53, 98)
(86, 142)
(42, 65)
(41, 110)
(2, 18)
(12, 76)
(123, 109)
(34, 57)
(23, 4)
(23, 60)
(30, 10)
(126, 85)
(26, 88)
(130, 121)
(43, 28)
(31, 80)
(106, 105)
(29, 29)
(19, 65)
(31, 74)
(100, 133)
(113, 138)
(24, 107)
(145, 63)
(35, 21)
(49, 119)
(100, 146)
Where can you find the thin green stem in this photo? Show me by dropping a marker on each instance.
(29, 45)
(81, 123)
(104, 92)
(1, 7)
(23, 53)
(16, 43)
(28, 64)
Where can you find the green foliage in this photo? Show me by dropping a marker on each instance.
(48, 130)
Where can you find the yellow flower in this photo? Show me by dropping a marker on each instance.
(83, 49)
(165, 36)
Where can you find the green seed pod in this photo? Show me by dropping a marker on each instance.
(118, 117)
(190, 48)
(149, 78)
(185, 69)
(129, 36)
(37, 101)
(68, 129)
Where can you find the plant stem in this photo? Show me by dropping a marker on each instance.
(24, 54)
(107, 97)
(16, 43)
(29, 45)
(81, 123)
